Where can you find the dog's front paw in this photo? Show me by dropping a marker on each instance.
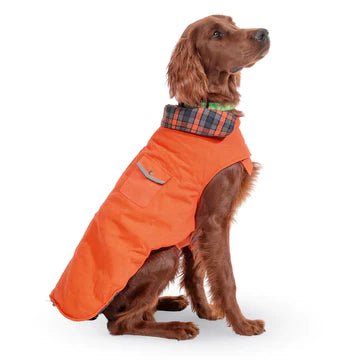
(250, 327)
(211, 312)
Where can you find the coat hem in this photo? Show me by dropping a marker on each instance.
(104, 305)
(92, 315)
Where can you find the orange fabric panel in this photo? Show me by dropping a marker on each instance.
(140, 215)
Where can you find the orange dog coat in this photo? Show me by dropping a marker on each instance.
(152, 205)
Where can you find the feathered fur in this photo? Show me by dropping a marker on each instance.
(202, 68)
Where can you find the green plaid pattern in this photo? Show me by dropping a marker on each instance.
(200, 121)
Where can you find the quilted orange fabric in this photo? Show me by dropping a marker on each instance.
(152, 205)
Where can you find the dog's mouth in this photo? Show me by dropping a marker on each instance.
(236, 69)
(262, 54)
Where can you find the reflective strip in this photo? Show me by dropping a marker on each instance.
(150, 177)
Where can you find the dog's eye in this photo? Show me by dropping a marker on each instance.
(217, 34)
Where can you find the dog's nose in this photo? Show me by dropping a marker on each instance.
(261, 35)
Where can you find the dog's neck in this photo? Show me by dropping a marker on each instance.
(222, 87)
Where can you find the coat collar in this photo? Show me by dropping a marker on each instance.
(200, 121)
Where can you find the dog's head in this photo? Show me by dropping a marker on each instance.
(209, 55)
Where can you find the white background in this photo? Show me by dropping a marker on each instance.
(82, 88)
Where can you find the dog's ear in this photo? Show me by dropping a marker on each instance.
(186, 76)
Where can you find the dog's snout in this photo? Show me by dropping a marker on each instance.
(261, 35)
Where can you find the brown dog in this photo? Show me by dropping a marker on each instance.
(205, 65)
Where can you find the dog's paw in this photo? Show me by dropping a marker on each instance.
(185, 331)
(211, 312)
(172, 303)
(250, 327)
(181, 302)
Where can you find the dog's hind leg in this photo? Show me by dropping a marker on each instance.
(131, 311)
(170, 330)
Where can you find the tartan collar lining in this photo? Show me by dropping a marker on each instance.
(199, 120)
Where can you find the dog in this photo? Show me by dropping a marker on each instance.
(203, 76)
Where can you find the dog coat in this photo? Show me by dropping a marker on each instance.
(152, 205)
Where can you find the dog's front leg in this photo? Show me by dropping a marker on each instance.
(193, 282)
(222, 282)
(213, 219)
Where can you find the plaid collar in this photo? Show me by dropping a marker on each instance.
(199, 120)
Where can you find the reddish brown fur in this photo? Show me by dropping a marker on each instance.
(206, 69)
(200, 69)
